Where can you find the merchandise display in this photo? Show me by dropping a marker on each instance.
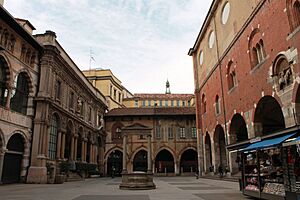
(274, 188)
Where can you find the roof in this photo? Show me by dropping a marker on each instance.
(165, 111)
(163, 96)
(11, 21)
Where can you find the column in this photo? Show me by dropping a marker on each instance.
(75, 149)
(124, 154)
(149, 155)
(58, 147)
(63, 141)
(82, 150)
(84, 155)
(72, 147)
(1, 164)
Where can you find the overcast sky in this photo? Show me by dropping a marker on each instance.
(143, 42)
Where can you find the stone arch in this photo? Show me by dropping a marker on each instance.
(282, 72)
(5, 61)
(208, 153)
(139, 160)
(189, 160)
(68, 139)
(238, 129)
(114, 162)
(80, 140)
(29, 79)
(14, 158)
(220, 146)
(164, 161)
(268, 116)
(296, 99)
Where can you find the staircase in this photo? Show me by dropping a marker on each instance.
(73, 176)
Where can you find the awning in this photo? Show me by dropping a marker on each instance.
(268, 143)
(291, 142)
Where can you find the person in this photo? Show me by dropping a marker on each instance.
(220, 169)
(113, 172)
(197, 174)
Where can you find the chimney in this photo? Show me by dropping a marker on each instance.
(1, 2)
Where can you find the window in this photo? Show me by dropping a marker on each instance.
(71, 100)
(256, 48)
(143, 103)
(20, 94)
(201, 58)
(115, 94)
(225, 12)
(158, 133)
(183, 103)
(118, 133)
(149, 103)
(90, 114)
(57, 89)
(142, 137)
(178, 103)
(3, 80)
(217, 105)
(166, 103)
(136, 103)
(211, 40)
(119, 97)
(170, 133)
(231, 76)
(293, 10)
(182, 132)
(172, 103)
(53, 137)
(189, 103)
(194, 132)
(160, 103)
(203, 103)
(110, 90)
(282, 72)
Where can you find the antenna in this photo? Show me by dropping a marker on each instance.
(91, 58)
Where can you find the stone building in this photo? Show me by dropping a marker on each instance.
(111, 87)
(68, 125)
(19, 76)
(174, 139)
(246, 73)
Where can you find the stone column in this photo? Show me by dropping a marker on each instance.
(75, 149)
(82, 150)
(58, 147)
(72, 147)
(63, 141)
(1, 164)
(124, 154)
(149, 155)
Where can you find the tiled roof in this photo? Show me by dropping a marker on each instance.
(152, 111)
(163, 96)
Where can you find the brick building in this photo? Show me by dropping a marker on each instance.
(246, 73)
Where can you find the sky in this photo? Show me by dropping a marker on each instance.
(143, 42)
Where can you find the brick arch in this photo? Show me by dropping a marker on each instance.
(111, 150)
(237, 126)
(25, 140)
(136, 151)
(219, 139)
(28, 78)
(168, 149)
(185, 149)
(7, 65)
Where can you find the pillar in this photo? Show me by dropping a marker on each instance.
(1, 164)
(149, 155)
(58, 147)
(72, 147)
(63, 141)
(82, 150)
(75, 148)
(124, 154)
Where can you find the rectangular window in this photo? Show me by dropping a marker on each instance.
(178, 103)
(160, 103)
(170, 133)
(115, 94)
(158, 133)
(110, 90)
(90, 114)
(182, 132)
(194, 132)
(149, 103)
(189, 103)
(119, 97)
(136, 103)
(166, 103)
(143, 103)
(71, 101)
(218, 107)
(183, 103)
(172, 103)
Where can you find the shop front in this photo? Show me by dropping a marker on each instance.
(268, 168)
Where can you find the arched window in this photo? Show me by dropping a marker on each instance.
(203, 103)
(293, 10)
(256, 47)
(53, 137)
(217, 105)
(20, 94)
(3, 82)
(282, 72)
(231, 76)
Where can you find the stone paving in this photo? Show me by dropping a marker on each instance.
(175, 188)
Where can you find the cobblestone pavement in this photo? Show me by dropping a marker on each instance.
(175, 188)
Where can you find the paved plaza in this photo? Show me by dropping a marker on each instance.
(175, 188)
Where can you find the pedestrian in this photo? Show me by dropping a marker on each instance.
(113, 172)
(220, 169)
